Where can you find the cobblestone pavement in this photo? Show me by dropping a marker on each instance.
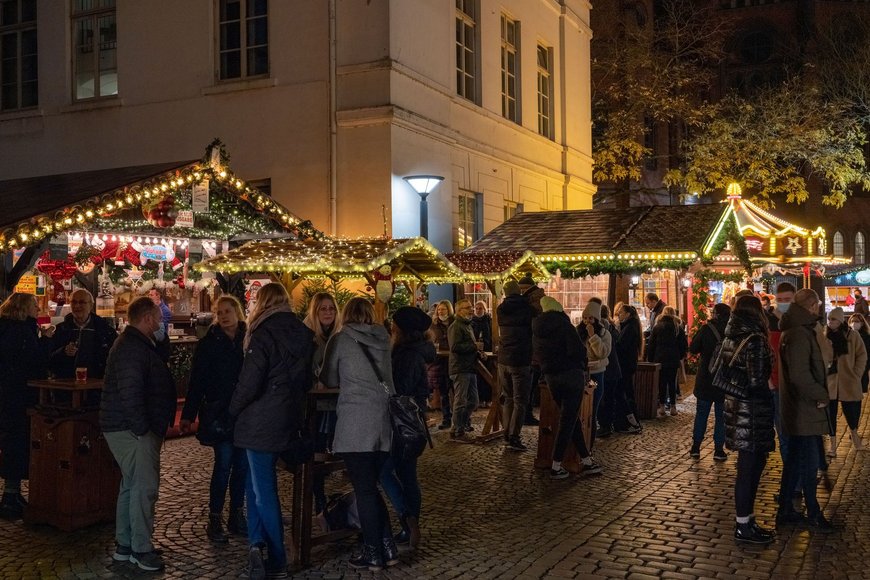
(489, 514)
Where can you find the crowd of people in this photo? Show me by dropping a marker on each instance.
(787, 368)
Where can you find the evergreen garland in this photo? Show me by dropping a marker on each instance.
(615, 266)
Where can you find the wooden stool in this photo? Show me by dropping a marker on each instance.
(646, 389)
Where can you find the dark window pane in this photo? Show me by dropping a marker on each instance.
(257, 7)
(258, 32)
(8, 46)
(28, 68)
(258, 61)
(28, 42)
(231, 65)
(29, 94)
(28, 10)
(9, 97)
(230, 10)
(231, 36)
(8, 12)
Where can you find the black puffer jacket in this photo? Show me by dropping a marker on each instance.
(95, 340)
(269, 400)
(749, 423)
(628, 347)
(515, 331)
(704, 343)
(409, 369)
(667, 343)
(214, 373)
(138, 392)
(557, 345)
(482, 327)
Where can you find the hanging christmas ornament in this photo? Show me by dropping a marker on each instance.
(162, 213)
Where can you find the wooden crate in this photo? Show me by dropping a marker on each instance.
(73, 477)
(548, 430)
(646, 389)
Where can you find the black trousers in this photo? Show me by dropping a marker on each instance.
(851, 411)
(750, 466)
(364, 470)
(668, 385)
(567, 391)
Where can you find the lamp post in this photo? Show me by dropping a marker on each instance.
(423, 185)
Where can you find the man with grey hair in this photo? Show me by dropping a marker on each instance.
(83, 339)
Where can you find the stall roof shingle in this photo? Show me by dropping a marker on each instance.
(610, 230)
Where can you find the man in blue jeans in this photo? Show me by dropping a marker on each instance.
(462, 367)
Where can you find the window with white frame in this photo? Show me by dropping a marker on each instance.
(510, 42)
(18, 62)
(511, 208)
(545, 91)
(838, 245)
(95, 49)
(860, 254)
(468, 222)
(466, 49)
(243, 39)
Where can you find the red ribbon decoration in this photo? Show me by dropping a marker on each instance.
(57, 270)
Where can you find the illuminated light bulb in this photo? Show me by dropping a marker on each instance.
(114, 239)
(89, 213)
(80, 218)
(139, 239)
(163, 187)
(23, 236)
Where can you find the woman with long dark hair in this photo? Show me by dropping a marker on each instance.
(745, 351)
(214, 373)
(629, 349)
(667, 346)
(412, 351)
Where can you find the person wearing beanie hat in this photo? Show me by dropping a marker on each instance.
(514, 317)
(592, 309)
(413, 351)
(803, 408)
(563, 361)
(598, 342)
(846, 350)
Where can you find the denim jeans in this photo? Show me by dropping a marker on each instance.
(364, 469)
(567, 391)
(464, 400)
(596, 401)
(265, 526)
(750, 466)
(702, 413)
(400, 483)
(230, 469)
(800, 464)
(515, 383)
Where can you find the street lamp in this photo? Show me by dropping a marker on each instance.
(423, 185)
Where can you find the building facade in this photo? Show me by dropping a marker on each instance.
(327, 104)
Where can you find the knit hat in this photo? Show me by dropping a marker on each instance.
(592, 309)
(526, 281)
(511, 288)
(837, 314)
(409, 319)
(550, 304)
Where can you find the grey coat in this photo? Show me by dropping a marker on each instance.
(363, 411)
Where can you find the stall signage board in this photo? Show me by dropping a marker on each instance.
(26, 285)
(862, 277)
(156, 253)
(791, 246)
(184, 219)
(200, 197)
(755, 245)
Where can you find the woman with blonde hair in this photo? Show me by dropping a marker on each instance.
(268, 406)
(439, 379)
(214, 373)
(358, 362)
(21, 358)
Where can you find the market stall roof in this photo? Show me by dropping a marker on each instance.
(114, 200)
(649, 233)
(500, 265)
(409, 259)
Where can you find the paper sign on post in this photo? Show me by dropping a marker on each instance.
(200, 197)
(184, 219)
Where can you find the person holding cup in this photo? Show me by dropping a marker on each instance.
(81, 341)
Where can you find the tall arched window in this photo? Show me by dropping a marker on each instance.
(860, 256)
(838, 245)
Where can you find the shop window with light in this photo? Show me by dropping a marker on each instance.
(545, 91)
(18, 73)
(469, 226)
(466, 50)
(512, 208)
(859, 254)
(838, 245)
(510, 43)
(95, 49)
(243, 39)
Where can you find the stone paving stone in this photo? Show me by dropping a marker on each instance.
(488, 513)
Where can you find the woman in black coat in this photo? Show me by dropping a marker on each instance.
(412, 351)
(667, 346)
(748, 420)
(217, 363)
(22, 357)
(628, 351)
(704, 343)
(268, 405)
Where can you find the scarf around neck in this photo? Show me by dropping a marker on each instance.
(260, 319)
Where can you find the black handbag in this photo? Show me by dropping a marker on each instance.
(300, 450)
(215, 424)
(410, 433)
(731, 380)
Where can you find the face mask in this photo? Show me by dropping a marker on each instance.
(856, 326)
(783, 306)
(159, 334)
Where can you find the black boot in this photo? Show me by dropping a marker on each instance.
(237, 523)
(748, 534)
(404, 536)
(391, 551)
(695, 451)
(762, 532)
(10, 507)
(414, 530)
(215, 529)
(369, 557)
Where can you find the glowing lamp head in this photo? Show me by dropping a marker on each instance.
(423, 184)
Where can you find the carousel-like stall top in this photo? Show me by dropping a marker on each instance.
(499, 266)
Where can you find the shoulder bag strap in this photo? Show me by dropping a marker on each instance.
(740, 347)
(715, 332)
(374, 365)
